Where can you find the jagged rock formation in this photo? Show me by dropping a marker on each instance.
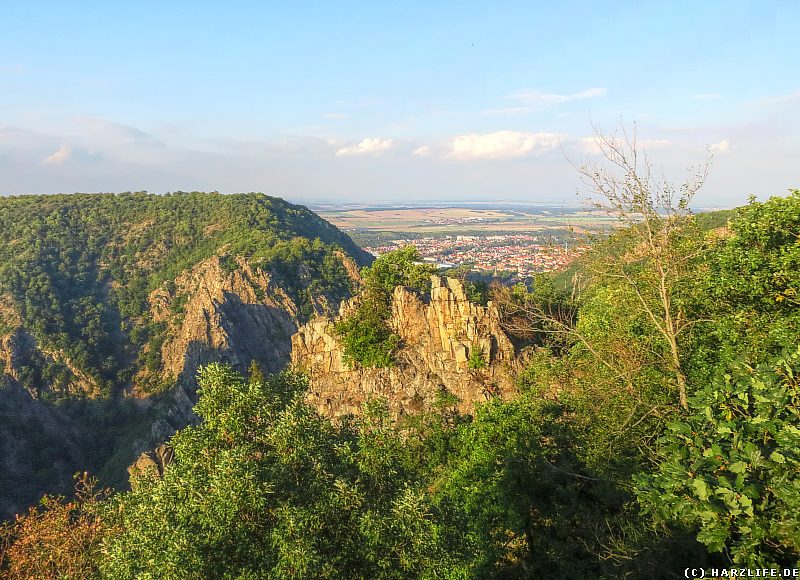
(439, 333)
(232, 317)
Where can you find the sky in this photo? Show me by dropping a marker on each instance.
(394, 102)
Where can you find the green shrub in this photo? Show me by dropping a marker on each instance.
(367, 339)
(731, 468)
(477, 359)
(365, 334)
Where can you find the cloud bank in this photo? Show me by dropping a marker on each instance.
(502, 145)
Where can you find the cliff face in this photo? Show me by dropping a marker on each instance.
(210, 314)
(440, 334)
(229, 316)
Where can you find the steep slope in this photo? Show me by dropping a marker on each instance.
(235, 317)
(77, 272)
(448, 345)
(110, 303)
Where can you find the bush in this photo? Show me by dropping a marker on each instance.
(477, 359)
(367, 339)
(365, 334)
(60, 539)
(731, 468)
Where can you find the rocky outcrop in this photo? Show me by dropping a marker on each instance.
(233, 317)
(442, 337)
(231, 313)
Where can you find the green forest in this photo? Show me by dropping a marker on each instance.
(76, 272)
(615, 460)
(78, 268)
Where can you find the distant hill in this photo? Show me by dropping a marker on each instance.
(109, 299)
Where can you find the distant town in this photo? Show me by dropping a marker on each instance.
(522, 254)
(516, 240)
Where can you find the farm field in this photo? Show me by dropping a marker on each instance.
(363, 224)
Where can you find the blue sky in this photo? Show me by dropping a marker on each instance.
(392, 101)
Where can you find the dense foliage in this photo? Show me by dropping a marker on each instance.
(264, 487)
(365, 333)
(273, 490)
(77, 269)
(732, 466)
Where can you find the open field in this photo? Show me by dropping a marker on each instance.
(442, 221)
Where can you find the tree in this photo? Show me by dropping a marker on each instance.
(731, 468)
(59, 539)
(400, 267)
(659, 247)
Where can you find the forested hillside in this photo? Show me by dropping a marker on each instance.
(108, 301)
(656, 427)
(76, 270)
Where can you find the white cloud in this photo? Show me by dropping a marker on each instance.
(63, 154)
(368, 146)
(538, 98)
(423, 151)
(110, 130)
(502, 145)
(722, 147)
(336, 116)
(532, 100)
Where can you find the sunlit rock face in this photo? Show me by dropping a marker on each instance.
(439, 334)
